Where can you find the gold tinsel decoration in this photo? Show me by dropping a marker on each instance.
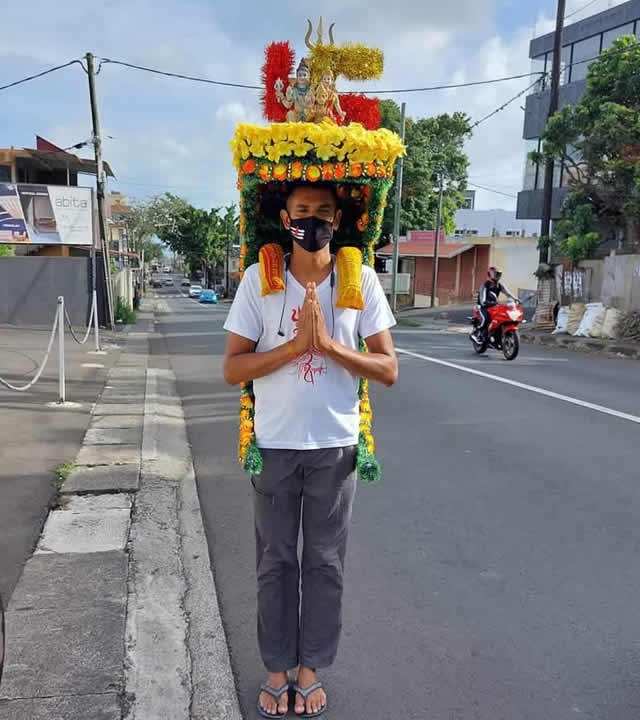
(352, 61)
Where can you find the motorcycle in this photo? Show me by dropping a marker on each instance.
(502, 333)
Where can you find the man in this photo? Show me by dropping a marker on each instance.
(488, 297)
(302, 354)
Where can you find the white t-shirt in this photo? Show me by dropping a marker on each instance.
(311, 402)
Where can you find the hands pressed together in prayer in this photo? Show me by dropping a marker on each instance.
(312, 329)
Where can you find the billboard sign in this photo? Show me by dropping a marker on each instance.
(45, 214)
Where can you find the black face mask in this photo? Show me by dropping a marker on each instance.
(312, 233)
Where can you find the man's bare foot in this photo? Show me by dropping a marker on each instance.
(267, 702)
(317, 700)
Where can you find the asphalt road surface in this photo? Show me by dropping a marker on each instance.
(494, 573)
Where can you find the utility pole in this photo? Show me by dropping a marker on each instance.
(434, 279)
(396, 215)
(100, 184)
(545, 253)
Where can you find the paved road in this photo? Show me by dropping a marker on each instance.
(36, 438)
(494, 574)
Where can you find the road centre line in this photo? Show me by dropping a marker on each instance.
(523, 386)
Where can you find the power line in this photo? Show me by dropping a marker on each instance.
(180, 76)
(491, 190)
(40, 74)
(447, 87)
(506, 104)
(195, 78)
(580, 9)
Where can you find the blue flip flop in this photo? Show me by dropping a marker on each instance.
(276, 695)
(304, 694)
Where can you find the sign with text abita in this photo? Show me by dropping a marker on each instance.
(45, 214)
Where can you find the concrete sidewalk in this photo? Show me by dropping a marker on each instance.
(35, 437)
(116, 616)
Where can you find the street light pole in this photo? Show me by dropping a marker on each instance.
(434, 279)
(545, 252)
(396, 215)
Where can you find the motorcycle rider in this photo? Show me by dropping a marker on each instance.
(488, 297)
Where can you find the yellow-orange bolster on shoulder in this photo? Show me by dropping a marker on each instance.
(271, 258)
(349, 266)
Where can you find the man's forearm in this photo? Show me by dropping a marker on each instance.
(373, 366)
(254, 365)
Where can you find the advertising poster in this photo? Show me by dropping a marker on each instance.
(45, 215)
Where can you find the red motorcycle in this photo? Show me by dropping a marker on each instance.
(502, 333)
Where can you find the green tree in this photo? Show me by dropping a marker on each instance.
(6, 250)
(598, 140)
(434, 145)
(200, 236)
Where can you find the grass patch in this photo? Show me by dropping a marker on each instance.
(407, 322)
(62, 473)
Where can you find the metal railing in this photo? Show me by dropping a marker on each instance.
(58, 324)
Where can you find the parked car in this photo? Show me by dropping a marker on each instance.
(168, 281)
(167, 269)
(195, 290)
(185, 283)
(208, 296)
(156, 282)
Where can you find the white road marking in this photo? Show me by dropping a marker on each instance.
(524, 386)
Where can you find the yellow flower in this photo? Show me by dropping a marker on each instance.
(301, 149)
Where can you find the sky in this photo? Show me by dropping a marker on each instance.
(163, 134)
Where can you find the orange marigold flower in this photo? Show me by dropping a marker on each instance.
(327, 171)
(355, 169)
(248, 166)
(280, 171)
(239, 184)
(296, 170)
(382, 171)
(265, 172)
(371, 169)
(340, 171)
(313, 173)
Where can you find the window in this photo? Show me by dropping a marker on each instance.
(530, 168)
(611, 35)
(513, 233)
(5, 173)
(557, 173)
(584, 50)
(565, 65)
(537, 66)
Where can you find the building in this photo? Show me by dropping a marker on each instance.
(469, 200)
(119, 243)
(583, 41)
(482, 238)
(46, 165)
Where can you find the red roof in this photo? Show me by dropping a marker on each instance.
(422, 248)
(425, 235)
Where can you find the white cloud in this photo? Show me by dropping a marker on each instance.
(234, 112)
(175, 134)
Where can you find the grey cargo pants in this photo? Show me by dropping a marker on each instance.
(319, 486)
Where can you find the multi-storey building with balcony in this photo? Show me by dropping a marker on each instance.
(583, 41)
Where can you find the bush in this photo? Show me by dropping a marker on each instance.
(629, 326)
(124, 314)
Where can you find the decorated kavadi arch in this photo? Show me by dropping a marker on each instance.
(315, 136)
